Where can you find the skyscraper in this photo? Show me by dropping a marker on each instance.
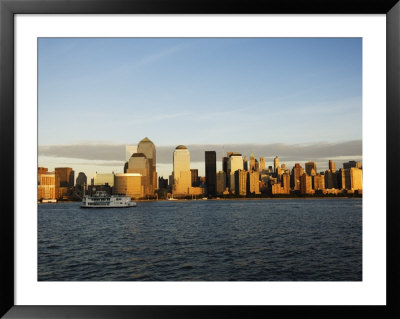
(225, 161)
(181, 173)
(66, 175)
(262, 164)
(129, 150)
(276, 163)
(311, 168)
(245, 164)
(235, 163)
(297, 172)
(139, 164)
(147, 147)
(332, 166)
(252, 162)
(211, 172)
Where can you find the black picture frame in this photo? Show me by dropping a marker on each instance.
(8, 8)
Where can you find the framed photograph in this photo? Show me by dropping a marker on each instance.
(172, 159)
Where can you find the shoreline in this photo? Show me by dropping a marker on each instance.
(223, 199)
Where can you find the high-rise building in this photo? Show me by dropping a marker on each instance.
(332, 166)
(355, 178)
(195, 177)
(148, 148)
(253, 182)
(181, 173)
(252, 162)
(81, 180)
(297, 172)
(276, 163)
(162, 183)
(240, 176)
(66, 175)
(331, 179)
(129, 184)
(235, 163)
(221, 182)
(225, 161)
(262, 163)
(318, 182)
(311, 168)
(285, 183)
(211, 172)
(306, 184)
(139, 164)
(245, 164)
(49, 186)
(103, 179)
(256, 166)
(41, 170)
(351, 164)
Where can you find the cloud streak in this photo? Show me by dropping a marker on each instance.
(286, 152)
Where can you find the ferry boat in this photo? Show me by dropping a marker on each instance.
(102, 200)
(49, 200)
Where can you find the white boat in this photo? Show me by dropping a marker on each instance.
(102, 200)
(49, 200)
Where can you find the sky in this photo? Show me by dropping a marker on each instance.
(297, 98)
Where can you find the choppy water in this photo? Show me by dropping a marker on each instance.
(242, 240)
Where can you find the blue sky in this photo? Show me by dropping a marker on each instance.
(199, 90)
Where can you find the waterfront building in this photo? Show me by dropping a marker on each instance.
(256, 166)
(306, 184)
(311, 168)
(181, 173)
(285, 183)
(235, 163)
(253, 185)
(129, 150)
(162, 183)
(103, 179)
(195, 177)
(318, 182)
(49, 186)
(262, 164)
(66, 175)
(129, 184)
(148, 148)
(297, 172)
(196, 191)
(276, 163)
(225, 161)
(356, 179)
(331, 179)
(211, 172)
(139, 164)
(344, 181)
(221, 182)
(332, 166)
(41, 170)
(240, 176)
(81, 182)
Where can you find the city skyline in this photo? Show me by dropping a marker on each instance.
(193, 91)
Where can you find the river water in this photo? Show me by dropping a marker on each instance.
(203, 240)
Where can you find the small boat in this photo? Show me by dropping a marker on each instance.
(49, 200)
(102, 200)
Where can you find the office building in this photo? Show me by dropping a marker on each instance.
(225, 161)
(318, 182)
(245, 164)
(67, 177)
(148, 148)
(351, 164)
(211, 172)
(235, 163)
(311, 168)
(253, 183)
(262, 164)
(240, 176)
(195, 177)
(306, 184)
(129, 150)
(252, 162)
(356, 179)
(181, 171)
(297, 172)
(41, 170)
(129, 184)
(49, 186)
(221, 182)
(103, 179)
(276, 163)
(332, 167)
(139, 164)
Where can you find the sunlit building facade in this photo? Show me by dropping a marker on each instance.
(181, 171)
